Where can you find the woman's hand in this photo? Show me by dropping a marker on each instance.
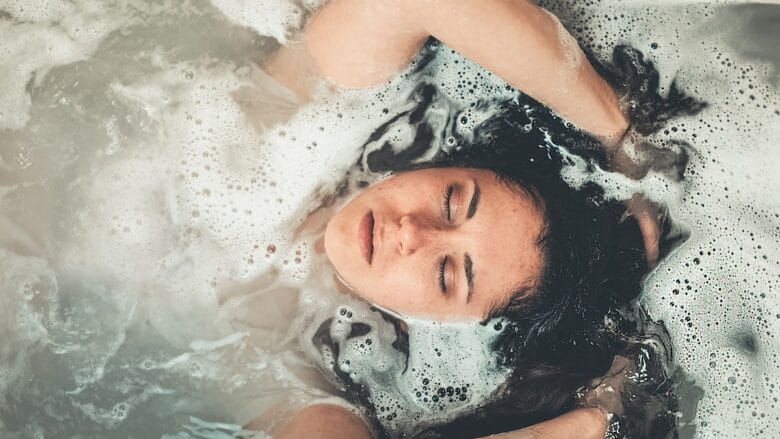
(635, 156)
(646, 214)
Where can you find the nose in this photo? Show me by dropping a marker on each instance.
(410, 235)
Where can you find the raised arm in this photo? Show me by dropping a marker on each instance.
(358, 43)
(584, 423)
(325, 421)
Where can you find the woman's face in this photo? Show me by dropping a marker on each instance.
(442, 243)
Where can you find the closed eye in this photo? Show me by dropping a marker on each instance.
(442, 280)
(446, 208)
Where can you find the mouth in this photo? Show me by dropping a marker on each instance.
(366, 236)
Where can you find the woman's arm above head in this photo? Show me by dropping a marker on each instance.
(529, 48)
(354, 43)
(583, 423)
(358, 43)
(327, 421)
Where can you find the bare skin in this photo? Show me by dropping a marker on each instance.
(437, 243)
(583, 423)
(325, 421)
(545, 61)
(357, 43)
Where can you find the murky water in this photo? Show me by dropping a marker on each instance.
(156, 273)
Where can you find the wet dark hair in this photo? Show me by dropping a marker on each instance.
(566, 329)
(555, 340)
(593, 262)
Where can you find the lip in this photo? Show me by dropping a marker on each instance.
(366, 236)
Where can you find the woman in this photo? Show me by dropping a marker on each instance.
(591, 257)
(549, 67)
(433, 242)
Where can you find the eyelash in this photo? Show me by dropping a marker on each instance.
(447, 216)
(442, 266)
(446, 207)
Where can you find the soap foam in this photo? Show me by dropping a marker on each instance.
(276, 18)
(716, 294)
(40, 37)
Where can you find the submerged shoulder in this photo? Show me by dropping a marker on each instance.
(324, 421)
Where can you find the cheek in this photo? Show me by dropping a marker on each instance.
(412, 200)
(338, 239)
(332, 242)
(403, 285)
(395, 287)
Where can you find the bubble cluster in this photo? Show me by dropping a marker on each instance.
(441, 371)
(717, 292)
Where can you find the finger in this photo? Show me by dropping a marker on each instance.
(651, 235)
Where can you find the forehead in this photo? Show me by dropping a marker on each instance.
(506, 232)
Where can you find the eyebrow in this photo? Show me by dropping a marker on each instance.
(474, 202)
(468, 267)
